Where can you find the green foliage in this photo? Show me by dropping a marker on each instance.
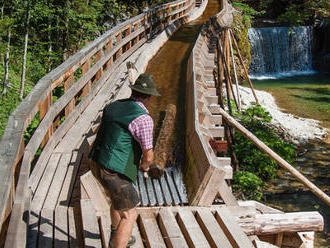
(251, 159)
(247, 12)
(31, 128)
(248, 184)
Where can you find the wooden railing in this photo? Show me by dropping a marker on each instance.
(81, 77)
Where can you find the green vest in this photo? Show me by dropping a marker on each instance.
(115, 148)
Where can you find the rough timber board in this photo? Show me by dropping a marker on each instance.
(150, 231)
(170, 229)
(191, 230)
(46, 228)
(136, 233)
(91, 231)
(232, 230)
(61, 227)
(211, 229)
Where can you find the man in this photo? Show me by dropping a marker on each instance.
(126, 133)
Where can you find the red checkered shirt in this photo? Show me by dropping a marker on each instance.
(141, 128)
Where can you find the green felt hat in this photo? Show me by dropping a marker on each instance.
(145, 84)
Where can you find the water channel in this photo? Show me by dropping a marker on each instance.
(169, 70)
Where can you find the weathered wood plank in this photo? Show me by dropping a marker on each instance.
(174, 193)
(61, 237)
(170, 229)
(233, 231)
(150, 231)
(73, 237)
(151, 192)
(143, 190)
(95, 193)
(136, 233)
(166, 191)
(55, 187)
(178, 179)
(105, 228)
(46, 228)
(211, 229)
(158, 191)
(191, 230)
(91, 231)
(41, 191)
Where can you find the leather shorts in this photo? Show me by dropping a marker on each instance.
(120, 189)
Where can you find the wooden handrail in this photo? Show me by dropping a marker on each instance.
(262, 146)
(103, 52)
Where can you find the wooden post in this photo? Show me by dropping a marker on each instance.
(43, 108)
(234, 68)
(67, 84)
(301, 178)
(120, 51)
(245, 70)
(85, 67)
(99, 73)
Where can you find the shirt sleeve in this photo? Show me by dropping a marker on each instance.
(141, 128)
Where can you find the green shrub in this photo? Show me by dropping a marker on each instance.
(248, 185)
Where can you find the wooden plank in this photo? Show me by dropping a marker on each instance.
(150, 231)
(158, 191)
(95, 193)
(170, 229)
(46, 228)
(91, 231)
(174, 192)
(191, 230)
(178, 179)
(73, 237)
(233, 231)
(41, 191)
(61, 237)
(137, 235)
(70, 178)
(33, 228)
(143, 190)
(166, 191)
(56, 186)
(105, 228)
(211, 229)
(226, 193)
(151, 192)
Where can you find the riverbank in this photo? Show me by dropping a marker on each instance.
(293, 128)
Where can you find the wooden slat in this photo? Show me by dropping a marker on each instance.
(191, 230)
(166, 191)
(55, 188)
(91, 231)
(211, 229)
(95, 193)
(170, 229)
(137, 235)
(233, 231)
(73, 237)
(41, 191)
(150, 231)
(177, 174)
(105, 228)
(33, 229)
(46, 228)
(158, 191)
(151, 192)
(61, 238)
(143, 190)
(174, 192)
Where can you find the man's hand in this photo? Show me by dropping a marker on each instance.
(147, 158)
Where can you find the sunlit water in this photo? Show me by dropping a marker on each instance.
(305, 96)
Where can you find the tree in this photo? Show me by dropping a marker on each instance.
(26, 39)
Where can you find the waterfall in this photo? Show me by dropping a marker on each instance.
(280, 51)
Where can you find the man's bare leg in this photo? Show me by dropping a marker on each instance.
(124, 228)
(115, 217)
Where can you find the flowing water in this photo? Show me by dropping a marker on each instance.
(278, 53)
(168, 67)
